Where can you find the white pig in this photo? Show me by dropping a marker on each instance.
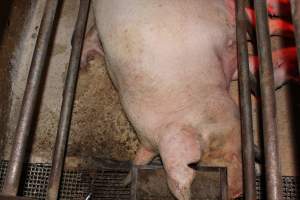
(167, 60)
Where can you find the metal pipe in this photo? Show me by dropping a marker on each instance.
(295, 5)
(67, 103)
(272, 165)
(30, 98)
(249, 178)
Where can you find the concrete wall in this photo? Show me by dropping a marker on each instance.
(99, 126)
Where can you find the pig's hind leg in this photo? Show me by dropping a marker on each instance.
(179, 149)
(143, 157)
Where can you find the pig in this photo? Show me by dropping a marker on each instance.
(167, 60)
(172, 62)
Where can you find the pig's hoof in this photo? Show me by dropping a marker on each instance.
(239, 198)
(125, 182)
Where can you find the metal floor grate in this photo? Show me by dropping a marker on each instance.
(103, 183)
(99, 184)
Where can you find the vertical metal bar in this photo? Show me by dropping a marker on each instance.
(273, 176)
(37, 68)
(249, 178)
(295, 5)
(68, 100)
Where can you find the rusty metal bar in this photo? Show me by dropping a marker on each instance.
(68, 100)
(249, 178)
(295, 5)
(31, 94)
(272, 165)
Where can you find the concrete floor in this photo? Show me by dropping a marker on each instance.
(99, 126)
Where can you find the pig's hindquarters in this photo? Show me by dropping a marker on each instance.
(165, 68)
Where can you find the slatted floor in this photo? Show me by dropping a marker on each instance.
(104, 184)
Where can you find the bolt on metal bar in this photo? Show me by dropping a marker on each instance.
(30, 98)
(295, 5)
(272, 165)
(249, 177)
(67, 103)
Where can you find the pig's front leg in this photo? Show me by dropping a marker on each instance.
(91, 47)
(143, 157)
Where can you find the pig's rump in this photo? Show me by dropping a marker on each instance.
(164, 42)
(164, 55)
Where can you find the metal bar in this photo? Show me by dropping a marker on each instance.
(295, 5)
(273, 176)
(68, 100)
(14, 198)
(249, 178)
(31, 94)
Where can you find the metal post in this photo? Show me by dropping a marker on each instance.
(273, 176)
(68, 100)
(295, 5)
(37, 68)
(249, 178)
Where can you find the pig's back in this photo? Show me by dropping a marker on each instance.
(170, 40)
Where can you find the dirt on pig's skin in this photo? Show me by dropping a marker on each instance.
(99, 127)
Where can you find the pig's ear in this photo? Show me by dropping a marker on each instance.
(179, 149)
(91, 47)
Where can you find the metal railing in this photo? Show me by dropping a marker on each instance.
(268, 102)
(31, 95)
(30, 99)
